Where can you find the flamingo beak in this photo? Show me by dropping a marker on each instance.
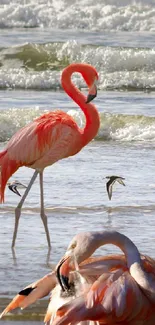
(92, 92)
(62, 272)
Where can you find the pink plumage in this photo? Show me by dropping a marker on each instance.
(51, 137)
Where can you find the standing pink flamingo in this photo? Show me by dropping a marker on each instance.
(51, 137)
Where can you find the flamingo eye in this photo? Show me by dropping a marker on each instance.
(73, 245)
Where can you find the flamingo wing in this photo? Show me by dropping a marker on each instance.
(41, 143)
(48, 138)
(31, 293)
(148, 264)
(117, 297)
(114, 298)
(96, 266)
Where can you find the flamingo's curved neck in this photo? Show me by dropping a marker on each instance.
(133, 259)
(92, 117)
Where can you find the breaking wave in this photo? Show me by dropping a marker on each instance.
(102, 15)
(39, 66)
(116, 127)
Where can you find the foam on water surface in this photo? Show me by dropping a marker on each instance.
(89, 15)
(117, 127)
(37, 40)
(39, 66)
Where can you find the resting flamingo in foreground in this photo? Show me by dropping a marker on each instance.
(50, 137)
(116, 289)
(124, 294)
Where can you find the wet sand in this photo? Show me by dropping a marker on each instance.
(35, 312)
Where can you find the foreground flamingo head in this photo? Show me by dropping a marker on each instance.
(81, 247)
(85, 244)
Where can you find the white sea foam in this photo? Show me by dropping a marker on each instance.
(13, 119)
(34, 66)
(82, 14)
(121, 127)
(115, 127)
(20, 79)
(15, 78)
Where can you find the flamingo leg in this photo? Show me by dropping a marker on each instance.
(42, 211)
(19, 206)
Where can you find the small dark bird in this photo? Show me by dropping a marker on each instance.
(110, 183)
(13, 187)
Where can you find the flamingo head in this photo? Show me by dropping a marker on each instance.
(91, 77)
(81, 247)
(92, 92)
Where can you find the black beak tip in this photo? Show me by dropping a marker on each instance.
(90, 98)
(65, 283)
(63, 280)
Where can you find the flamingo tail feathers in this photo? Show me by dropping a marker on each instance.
(7, 168)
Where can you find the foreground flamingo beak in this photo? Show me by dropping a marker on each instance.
(62, 272)
(92, 92)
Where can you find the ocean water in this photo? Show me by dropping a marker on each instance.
(37, 40)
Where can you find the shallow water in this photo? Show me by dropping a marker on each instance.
(120, 44)
(72, 203)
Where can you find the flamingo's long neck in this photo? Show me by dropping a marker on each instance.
(133, 259)
(92, 117)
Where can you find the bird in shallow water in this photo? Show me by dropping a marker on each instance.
(14, 185)
(49, 138)
(111, 182)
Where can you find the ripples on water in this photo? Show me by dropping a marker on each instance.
(119, 41)
(74, 205)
